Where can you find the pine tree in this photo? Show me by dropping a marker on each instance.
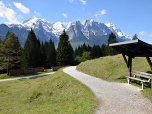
(103, 50)
(51, 54)
(43, 56)
(112, 38)
(135, 37)
(31, 51)
(10, 52)
(64, 50)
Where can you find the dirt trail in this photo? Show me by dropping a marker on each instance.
(114, 98)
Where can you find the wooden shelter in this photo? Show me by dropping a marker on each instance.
(132, 49)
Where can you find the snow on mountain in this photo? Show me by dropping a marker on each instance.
(59, 27)
(75, 30)
(56, 28)
(89, 30)
(118, 32)
(88, 26)
(95, 28)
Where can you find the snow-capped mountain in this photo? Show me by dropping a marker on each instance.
(88, 31)
(117, 31)
(55, 28)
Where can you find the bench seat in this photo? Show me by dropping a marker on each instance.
(137, 79)
(143, 81)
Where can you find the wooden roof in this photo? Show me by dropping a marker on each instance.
(134, 48)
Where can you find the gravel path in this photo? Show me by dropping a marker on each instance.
(114, 98)
(25, 77)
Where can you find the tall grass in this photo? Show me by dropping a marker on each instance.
(57, 93)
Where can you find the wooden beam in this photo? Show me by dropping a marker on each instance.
(129, 65)
(149, 61)
(125, 59)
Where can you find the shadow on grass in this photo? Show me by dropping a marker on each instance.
(149, 72)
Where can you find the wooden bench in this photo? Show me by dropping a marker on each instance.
(142, 76)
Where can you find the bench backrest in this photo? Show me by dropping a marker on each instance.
(142, 74)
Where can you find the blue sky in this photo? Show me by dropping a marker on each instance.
(131, 16)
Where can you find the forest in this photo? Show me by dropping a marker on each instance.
(44, 54)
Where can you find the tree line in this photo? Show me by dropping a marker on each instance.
(43, 54)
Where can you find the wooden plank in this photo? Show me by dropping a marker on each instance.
(142, 85)
(137, 79)
(150, 84)
(125, 59)
(147, 74)
(141, 75)
(149, 61)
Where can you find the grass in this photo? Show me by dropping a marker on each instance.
(57, 93)
(113, 68)
(4, 76)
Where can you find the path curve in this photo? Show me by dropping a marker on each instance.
(26, 77)
(114, 98)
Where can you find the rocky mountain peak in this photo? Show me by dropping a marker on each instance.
(88, 31)
(87, 21)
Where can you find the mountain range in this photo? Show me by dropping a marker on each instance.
(89, 31)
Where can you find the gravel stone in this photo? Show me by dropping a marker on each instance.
(114, 98)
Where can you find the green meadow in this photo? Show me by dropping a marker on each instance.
(56, 93)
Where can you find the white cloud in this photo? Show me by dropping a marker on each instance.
(100, 13)
(37, 13)
(20, 17)
(9, 4)
(96, 15)
(103, 12)
(71, 0)
(22, 8)
(83, 2)
(8, 13)
(78, 19)
(143, 33)
(65, 15)
(150, 35)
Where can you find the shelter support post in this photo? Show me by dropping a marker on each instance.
(125, 59)
(129, 65)
(149, 61)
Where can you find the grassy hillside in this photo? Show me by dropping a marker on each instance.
(57, 93)
(113, 68)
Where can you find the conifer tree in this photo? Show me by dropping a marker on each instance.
(64, 50)
(135, 37)
(103, 50)
(31, 51)
(51, 54)
(43, 55)
(112, 39)
(10, 52)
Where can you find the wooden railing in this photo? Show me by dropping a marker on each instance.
(25, 71)
(55, 68)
